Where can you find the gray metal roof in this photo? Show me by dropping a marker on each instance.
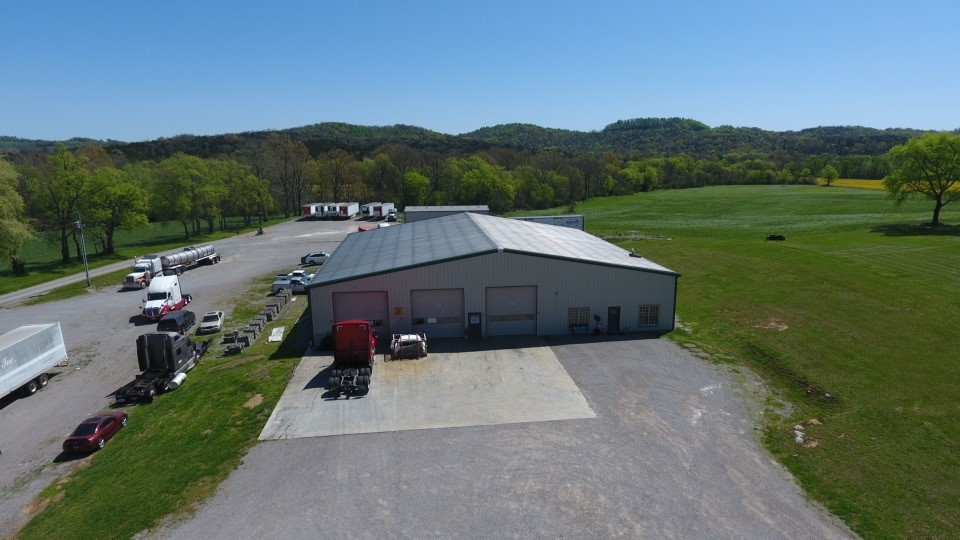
(464, 235)
(474, 208)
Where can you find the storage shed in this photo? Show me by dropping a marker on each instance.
(471, 275)
(420, 213)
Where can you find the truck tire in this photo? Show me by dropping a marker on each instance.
(332, 383)
(43, 379)
(143, 284)
(151, 394)
(30, 388)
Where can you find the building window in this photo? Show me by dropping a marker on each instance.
(650, 315)
(578, 316)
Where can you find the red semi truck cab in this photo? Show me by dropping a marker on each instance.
(354, 344)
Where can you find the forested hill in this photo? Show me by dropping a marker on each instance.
(644, 136)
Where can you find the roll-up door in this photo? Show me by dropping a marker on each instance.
(511, 311)
(438, 313)
(365, 306)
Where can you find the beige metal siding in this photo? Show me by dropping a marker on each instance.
(561, 284)
(438, 313)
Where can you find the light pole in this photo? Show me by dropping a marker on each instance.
(83, 248)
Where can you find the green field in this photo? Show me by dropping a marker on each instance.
(851, 320)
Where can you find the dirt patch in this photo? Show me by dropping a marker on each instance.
(774, 324)
(39, 505)
(254, 401)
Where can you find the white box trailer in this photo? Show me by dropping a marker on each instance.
(330, 210)
(381, 210)
(27, 355)
(347, 210)
(312, 209)
(366, 210)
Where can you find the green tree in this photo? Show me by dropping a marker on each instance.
(115, 202)
(929, 166)
(14, 228)
(61, 184)
(173, 193)
(829, 174)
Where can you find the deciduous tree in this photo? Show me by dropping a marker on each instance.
(929, 166)
(14, 228)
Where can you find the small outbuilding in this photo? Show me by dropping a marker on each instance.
(473, 275)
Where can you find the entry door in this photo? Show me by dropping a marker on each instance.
(613, 320)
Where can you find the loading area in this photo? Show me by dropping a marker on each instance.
(460, 383)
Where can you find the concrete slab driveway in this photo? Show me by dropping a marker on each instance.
(452, 387)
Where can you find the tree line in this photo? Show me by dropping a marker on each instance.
(47, 191)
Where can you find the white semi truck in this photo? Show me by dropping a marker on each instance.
(28, 354)
(163, 296)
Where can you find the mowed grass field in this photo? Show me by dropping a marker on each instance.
(852, 320)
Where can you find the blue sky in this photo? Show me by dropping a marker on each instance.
(141, 70)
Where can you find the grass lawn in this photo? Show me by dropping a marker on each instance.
(44, 263)
(175, 451)
(852, 319)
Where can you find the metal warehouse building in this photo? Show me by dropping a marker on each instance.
(477, 275)
(420, 213)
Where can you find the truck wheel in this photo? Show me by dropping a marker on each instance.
(143, 284)
(152, 393)
(332, 382)
(43, 379)
(30, 388)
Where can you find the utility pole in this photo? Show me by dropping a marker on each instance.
(83, 248)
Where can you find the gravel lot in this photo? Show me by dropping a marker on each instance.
(99, 330)
(670, 453)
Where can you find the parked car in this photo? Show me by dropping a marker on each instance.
(298, 274)
(392, 215)
(177, 321)
(282, 281)
(94, 432)
(212, 321)
(317, 257)
(299, 285)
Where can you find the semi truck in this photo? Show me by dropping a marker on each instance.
(150, 266)
(164, 358)
(144, 270)
(163, 296)
(354, 348)
(28, 354)
(381, 210)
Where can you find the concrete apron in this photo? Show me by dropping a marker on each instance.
(445, 389)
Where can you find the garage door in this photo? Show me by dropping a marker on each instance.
(366, 306)
(512, 311)
(438, 313)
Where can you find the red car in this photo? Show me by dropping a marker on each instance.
(94, 432)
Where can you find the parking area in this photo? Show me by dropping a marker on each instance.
(456, 385)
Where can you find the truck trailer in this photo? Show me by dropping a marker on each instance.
(381, 210)
(347, 210)
(27, 356)
(163, 296)
(177, 263)
(312, 209)
(354, 348)
(164, 358)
